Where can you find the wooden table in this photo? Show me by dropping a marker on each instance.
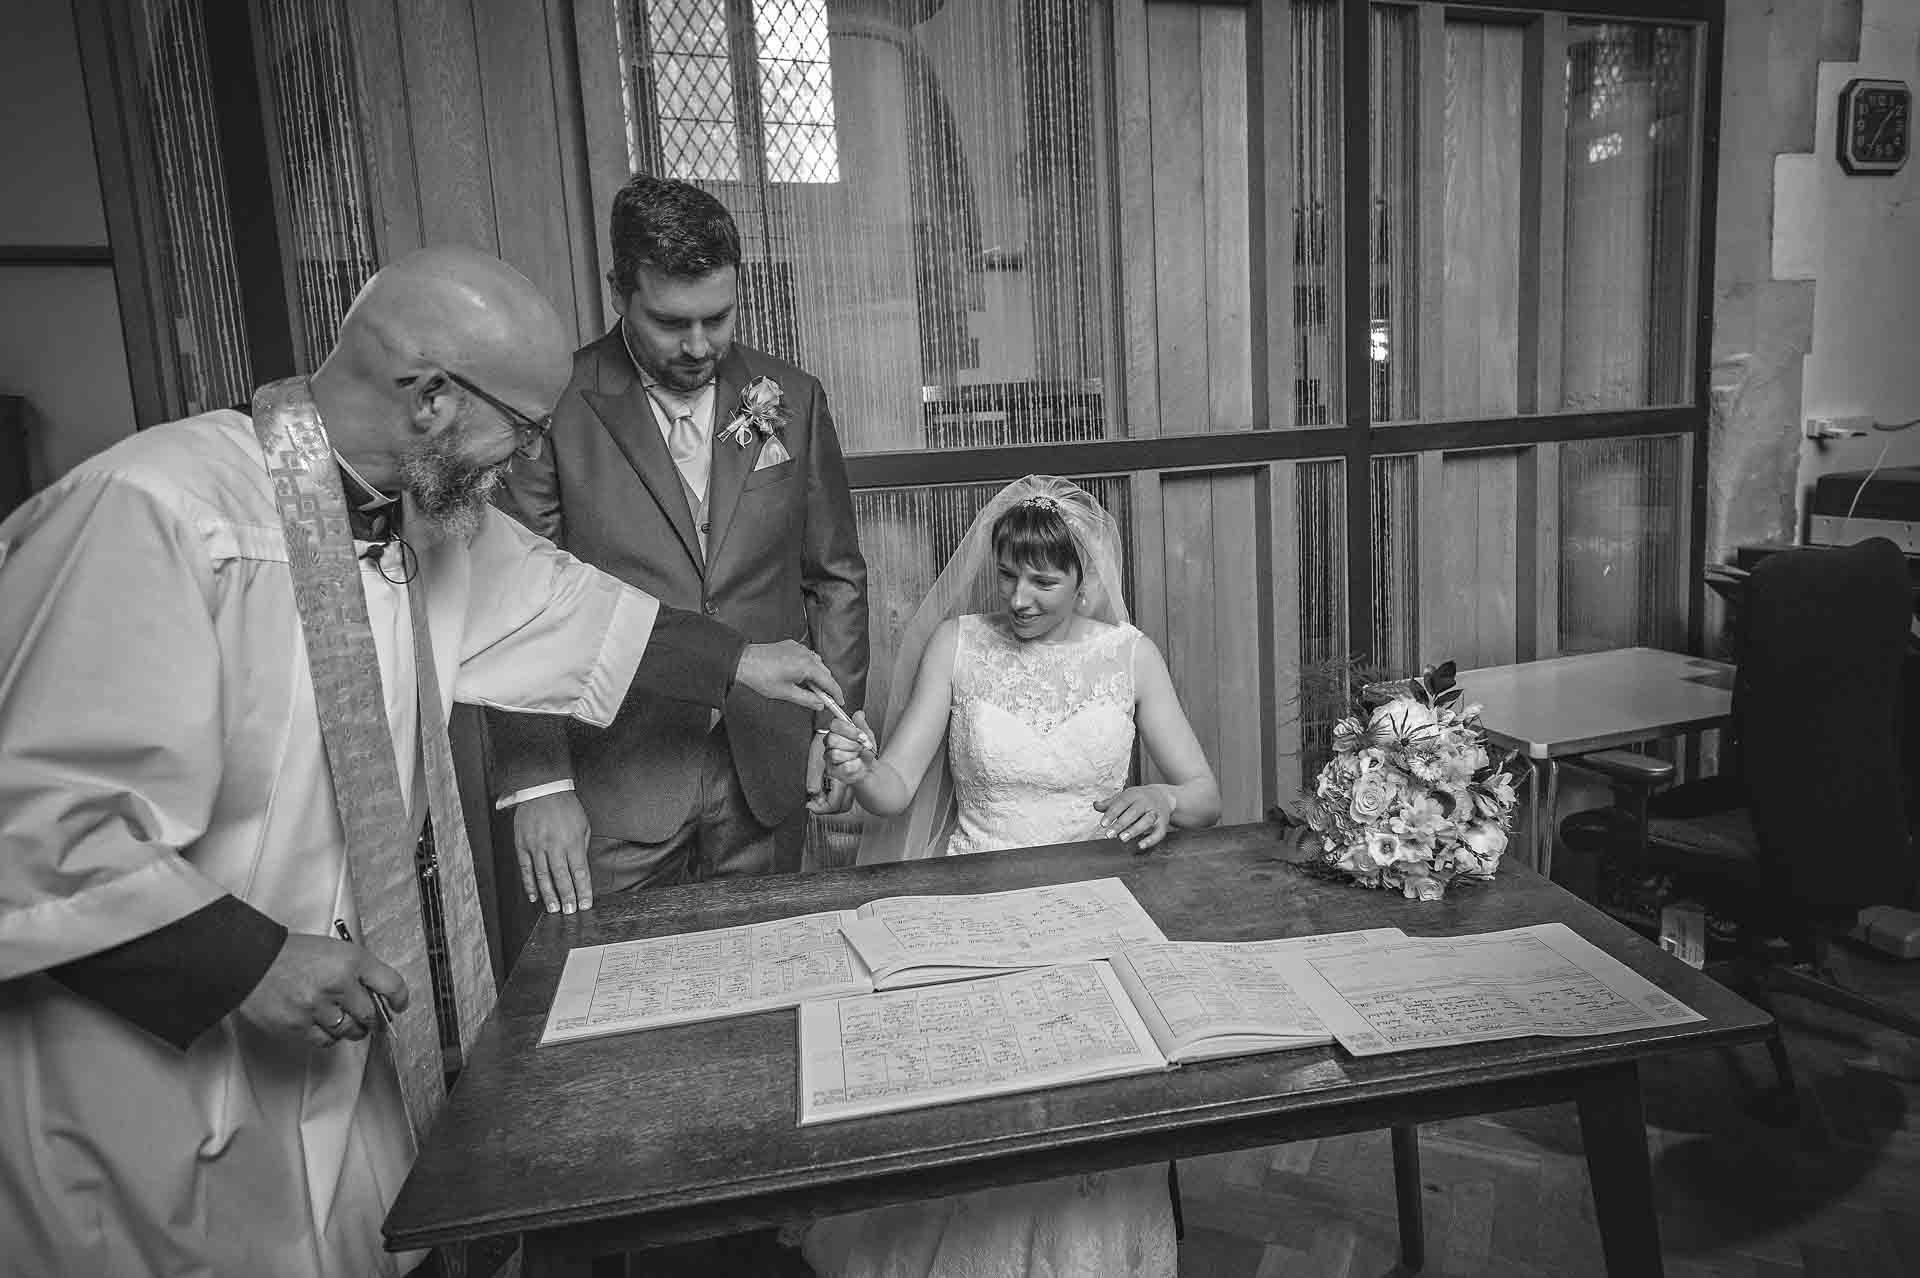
(689, 1131)
(1549, 710)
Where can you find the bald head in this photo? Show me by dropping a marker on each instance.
(440, 363)
(462, 311)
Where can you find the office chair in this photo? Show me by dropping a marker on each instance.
(1811, 824)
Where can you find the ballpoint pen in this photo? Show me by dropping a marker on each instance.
(379, 1001)
(840, 713)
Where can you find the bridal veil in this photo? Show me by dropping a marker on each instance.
(968, 585)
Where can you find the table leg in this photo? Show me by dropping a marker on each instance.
(1543, 851)
(1406, 1193)
(545, 1255)
(1614, 1131)
(1533, 813)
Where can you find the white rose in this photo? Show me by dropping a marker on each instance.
(1372, 796)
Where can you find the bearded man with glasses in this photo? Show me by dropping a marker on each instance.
(227, 648)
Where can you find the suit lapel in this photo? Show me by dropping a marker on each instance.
(627, 414)
(731, 463)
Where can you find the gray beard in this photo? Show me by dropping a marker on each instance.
(450, 494)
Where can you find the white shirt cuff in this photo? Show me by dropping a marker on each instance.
(532, 792)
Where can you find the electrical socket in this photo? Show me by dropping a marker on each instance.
(1837, 427)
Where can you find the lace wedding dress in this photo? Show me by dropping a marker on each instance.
(1036, 733)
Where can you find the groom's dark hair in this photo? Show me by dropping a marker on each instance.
(1033, 533)
(674, 227)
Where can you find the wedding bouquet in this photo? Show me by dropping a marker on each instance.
(1411, 798)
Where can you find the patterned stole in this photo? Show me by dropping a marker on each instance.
(381, 867)
(450, 864)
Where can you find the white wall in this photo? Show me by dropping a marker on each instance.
(1858, 240)
(60, 337)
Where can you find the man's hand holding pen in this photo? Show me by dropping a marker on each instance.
(380, 1007)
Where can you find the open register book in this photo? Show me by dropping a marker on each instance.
(1152, 1006)
(895, 941)
(1157, 1005)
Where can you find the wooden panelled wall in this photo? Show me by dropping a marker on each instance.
(1216, 552)
(472, 111)
(500, 125)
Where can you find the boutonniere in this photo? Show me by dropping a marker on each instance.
(762, 411)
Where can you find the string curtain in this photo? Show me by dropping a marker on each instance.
(919, 187)
(314, 129)
(1320, 502)
(1315, 110)
(198, 277)
(1629, 144)
(1393, 327)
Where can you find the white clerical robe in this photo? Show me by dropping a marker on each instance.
(158, 749)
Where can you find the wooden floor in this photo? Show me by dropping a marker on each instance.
(1838, 1194)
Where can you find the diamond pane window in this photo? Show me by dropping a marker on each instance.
(796, 91)
(693, 94)
(735, 91)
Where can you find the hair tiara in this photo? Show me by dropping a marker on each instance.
(1045, 501)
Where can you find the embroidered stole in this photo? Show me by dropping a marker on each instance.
(381, 866)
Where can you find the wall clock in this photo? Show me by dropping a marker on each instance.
(1876, 126)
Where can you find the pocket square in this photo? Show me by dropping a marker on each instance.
(773, 454)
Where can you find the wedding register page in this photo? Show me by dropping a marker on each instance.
(918, 940)
(698, 976)
(1437, 991)
(895, 941)
(1018, 1032)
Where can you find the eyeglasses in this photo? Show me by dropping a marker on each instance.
(528, 431)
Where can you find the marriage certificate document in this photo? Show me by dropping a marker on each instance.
(1442, 990)
(918, 940)
(903, 1049)
(698, 976)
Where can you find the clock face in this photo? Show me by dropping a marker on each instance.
(1876, 126)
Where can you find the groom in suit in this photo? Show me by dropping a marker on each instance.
(710, 475)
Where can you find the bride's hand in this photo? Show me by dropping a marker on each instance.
(849, 762)
(1143, 812)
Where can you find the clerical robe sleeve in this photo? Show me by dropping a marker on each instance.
(549, 634)
(179, 981)
(110, 719)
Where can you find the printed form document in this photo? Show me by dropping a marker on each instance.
(895, 941)
(1440, 991)
(700, 976)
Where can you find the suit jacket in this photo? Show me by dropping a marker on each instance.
(782, 562)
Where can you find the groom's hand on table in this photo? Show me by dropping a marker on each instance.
(1143, 812)
(550, 840)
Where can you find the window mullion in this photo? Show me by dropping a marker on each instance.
(743, 50)
(1708, 52)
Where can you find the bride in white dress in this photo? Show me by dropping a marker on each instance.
(1010, 722)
